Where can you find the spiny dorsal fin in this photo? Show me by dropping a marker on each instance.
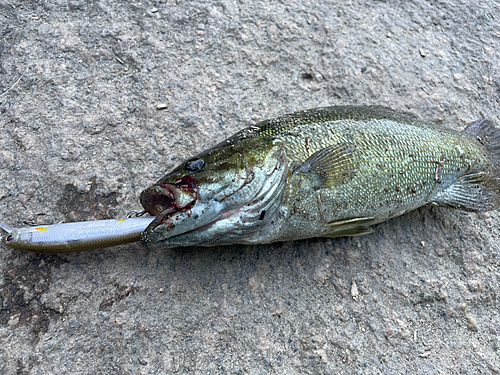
(335, 164)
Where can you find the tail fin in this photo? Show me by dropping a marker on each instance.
(478, 190)
(489, 136)
(5, 227)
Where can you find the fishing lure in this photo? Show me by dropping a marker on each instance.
(78, 236)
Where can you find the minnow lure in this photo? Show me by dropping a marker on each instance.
(79, 236)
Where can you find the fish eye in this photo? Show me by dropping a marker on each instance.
(194, 166)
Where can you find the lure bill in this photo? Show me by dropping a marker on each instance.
(79, 236)
(325, 172)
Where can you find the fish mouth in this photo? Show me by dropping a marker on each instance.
(214, 222)
(165, 198)
(176, 223)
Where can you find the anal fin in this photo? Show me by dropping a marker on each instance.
(351, 227)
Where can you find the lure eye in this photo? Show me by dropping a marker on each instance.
(9, 238)
(194, 166)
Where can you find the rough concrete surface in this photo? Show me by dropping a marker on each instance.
(98, 99)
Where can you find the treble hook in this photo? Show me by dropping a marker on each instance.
(31, 221)
(135, 214)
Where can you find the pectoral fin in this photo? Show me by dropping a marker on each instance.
(335, 164)
(351, 227)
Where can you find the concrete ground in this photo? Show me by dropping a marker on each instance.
(99, 99)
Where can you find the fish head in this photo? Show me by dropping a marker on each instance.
(217, 197)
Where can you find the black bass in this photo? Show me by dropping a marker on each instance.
(325, 172)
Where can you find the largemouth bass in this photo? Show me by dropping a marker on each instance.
(325, 172)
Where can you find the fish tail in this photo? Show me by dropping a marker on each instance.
(489, 136)
(479, 188)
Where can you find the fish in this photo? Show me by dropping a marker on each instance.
(324, 172)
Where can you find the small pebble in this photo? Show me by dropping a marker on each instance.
(471, 324)
(253, 284)
(485, 215)
(354, 291)
(440, 252)
(475, 286)
(442, 295)
(161, 106)
(276, 309)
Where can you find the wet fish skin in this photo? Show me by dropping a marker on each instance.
(325, 172)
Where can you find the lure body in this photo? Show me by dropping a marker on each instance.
(78, 236)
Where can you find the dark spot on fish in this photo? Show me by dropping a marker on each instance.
(262, 214)
(397, 188)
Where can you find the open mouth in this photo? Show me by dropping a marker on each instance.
(166, 198)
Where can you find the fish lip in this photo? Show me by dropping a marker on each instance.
(155, 234)
(224, 215)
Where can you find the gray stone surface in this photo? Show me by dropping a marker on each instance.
(82, 135)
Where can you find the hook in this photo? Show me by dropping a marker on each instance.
(135, 214)
(31, 221)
